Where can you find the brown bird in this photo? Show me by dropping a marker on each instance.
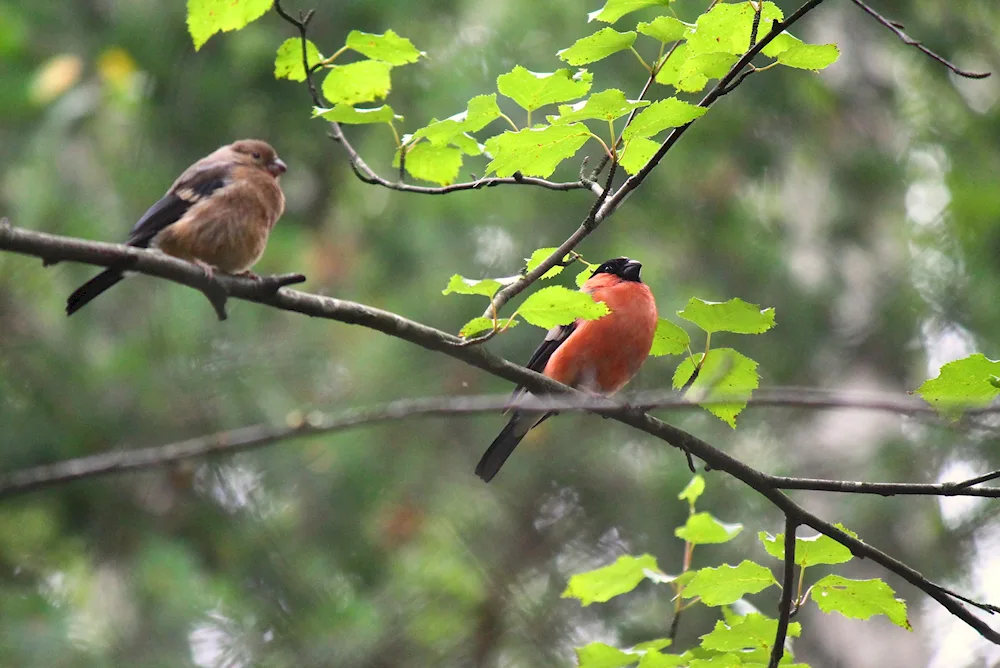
(217, 214)
(598, 356)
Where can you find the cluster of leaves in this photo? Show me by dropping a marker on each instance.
(737, 639)
(687, 57)
(725, 378)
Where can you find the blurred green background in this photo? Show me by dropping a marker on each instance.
(861, 203)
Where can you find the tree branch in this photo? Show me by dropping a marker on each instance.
(48, 246)
(787, 587)
(897, 29)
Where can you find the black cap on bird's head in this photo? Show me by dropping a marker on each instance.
(622, 267)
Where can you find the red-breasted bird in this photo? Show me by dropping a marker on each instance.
(217, 214)
(598, 356)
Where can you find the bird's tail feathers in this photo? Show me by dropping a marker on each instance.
(503, 445)
(92, 288)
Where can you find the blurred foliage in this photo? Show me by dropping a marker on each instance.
(860, 203)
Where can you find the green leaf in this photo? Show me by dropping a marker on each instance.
(668, 113)
(698, 68)
(693, 490)
(652, 645)
(724, 384)
(344, 113)
(437, 164)
(603, 584)
(669, 74)
(606, 106)
(535, 151)
(669, 339)
(364, 81)
(532, 90)
(754, 631)
(557, 305)
(717, 661)
(481, 111)
(615, 9)
(460, 285)
(596, 47)
(961, 385)
(664, 28)
(811, 551)
(207, 17)
(582, 277)
(658, 660)
(480, 325)
(860, 599)
(288, 62)
(636, 153)
(728, 584)
(389, 48)
(735, 316)
(726, 27)
(539, 256)
(599, 655)
(793, 52)
(703, 529)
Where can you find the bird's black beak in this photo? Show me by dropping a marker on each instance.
(277, 167)
(631, 271)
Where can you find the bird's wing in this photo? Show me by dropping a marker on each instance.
(543, 352)
(192, 187)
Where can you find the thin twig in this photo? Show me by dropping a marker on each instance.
(787, 585)
(897, 29)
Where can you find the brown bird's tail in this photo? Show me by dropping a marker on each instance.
(503, 445)
(92, 288)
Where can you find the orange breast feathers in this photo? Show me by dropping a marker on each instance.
(603, 355)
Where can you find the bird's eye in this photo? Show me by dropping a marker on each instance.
(256, 155)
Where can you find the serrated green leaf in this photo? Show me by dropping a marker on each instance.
(811, 551)
(480, 325)
(288, 61)
(636, 153)
(481, 111)
(557, 305)
(344, 113)
(717, 661)
(782, 42)
(659, 660)
(693, 490)
(860, 599)
(598, 46)
(364, 81)
(540, 255)
(531, 90)
(668, 113)
(615, 9)
(669, 339)
(698, 68)
(535, 151)
(669, 74)
(703, 529)
(605, 583)
(207, 17)
(809, 56)
(599, 655)
(664, 28)
(652, 645)
(389, 48)
(961, 385)
(606, 106)
(437, 164)
(727, 584)
(754, 631)
(735, 316)
(724, 384)
(584, 275)
(460, 285)
(726, 27)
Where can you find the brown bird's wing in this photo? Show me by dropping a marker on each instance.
(197, 183)
(553, 339)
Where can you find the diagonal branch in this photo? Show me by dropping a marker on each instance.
(897, 29)
(787, 586)
(63, 248)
